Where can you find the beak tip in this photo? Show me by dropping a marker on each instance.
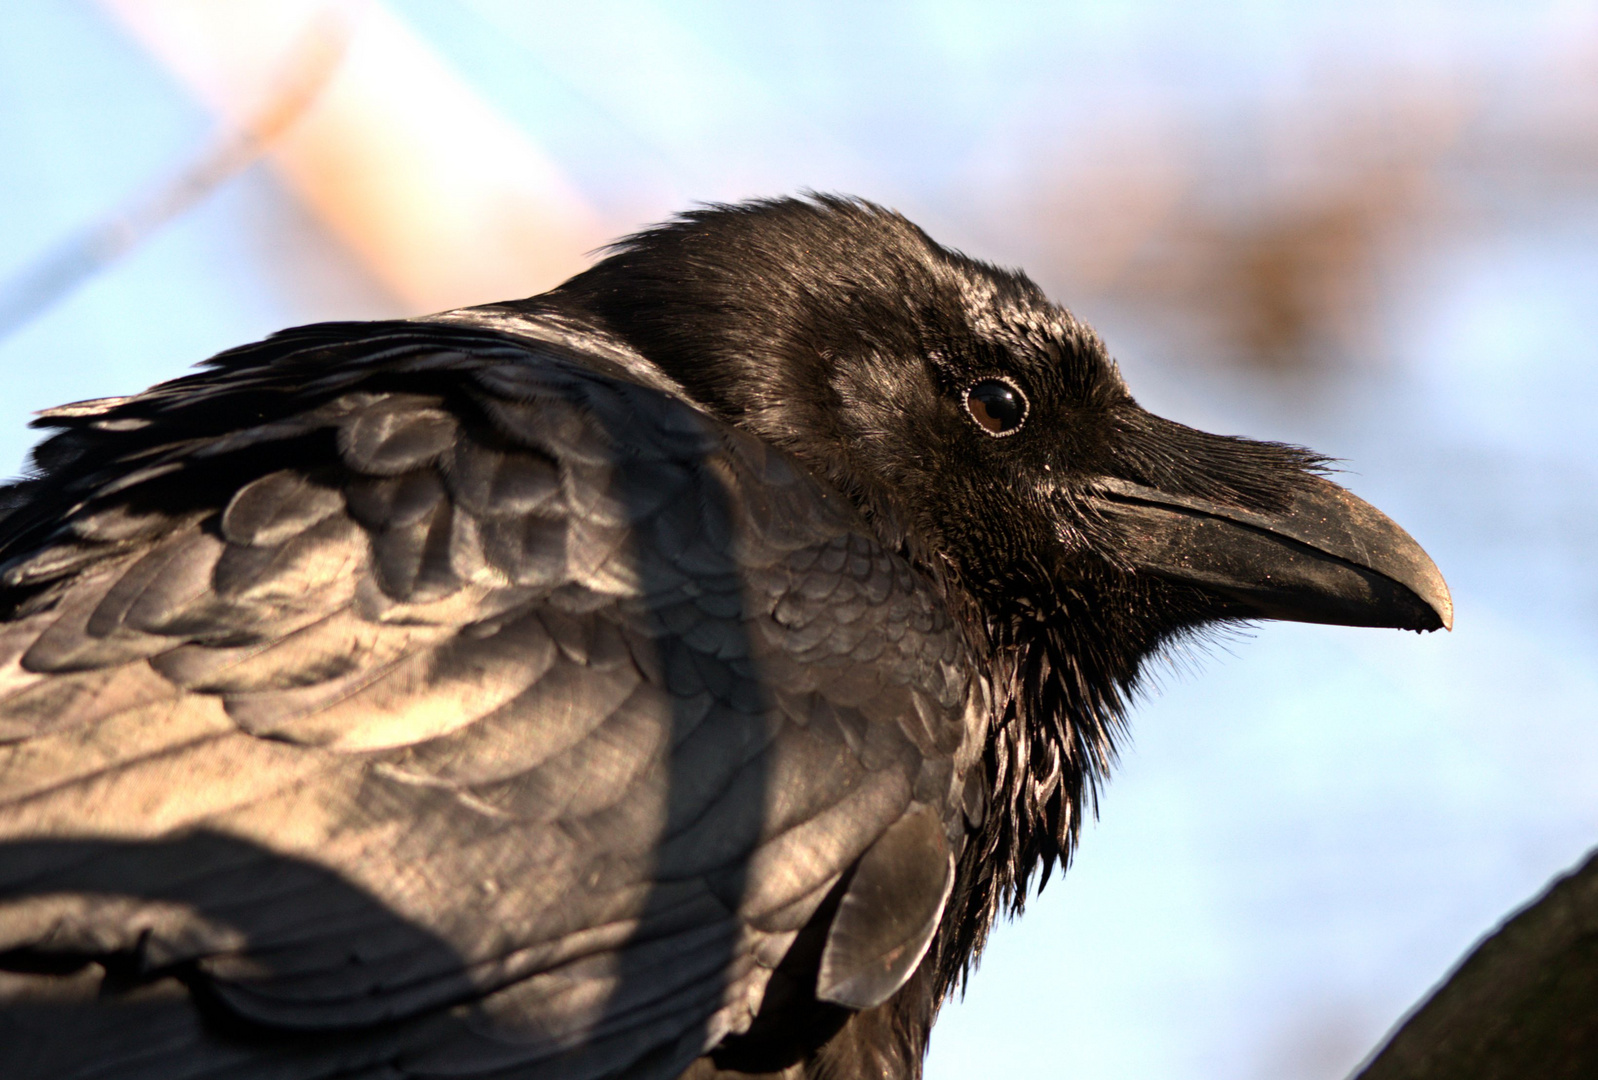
(1431, 589)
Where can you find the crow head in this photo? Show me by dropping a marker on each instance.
(987, 433)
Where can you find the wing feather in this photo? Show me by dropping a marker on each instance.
(415, 671)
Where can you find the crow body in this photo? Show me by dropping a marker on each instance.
(675, 673)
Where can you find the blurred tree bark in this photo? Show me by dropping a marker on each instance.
(1523, 1004)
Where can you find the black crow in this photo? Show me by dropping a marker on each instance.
(675, 673)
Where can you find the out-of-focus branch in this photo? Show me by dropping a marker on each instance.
(443, 198)
(1523, 1004)
(305, 72)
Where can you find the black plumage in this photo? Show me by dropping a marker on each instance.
(673, 673)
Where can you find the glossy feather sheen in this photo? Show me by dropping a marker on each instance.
(527, 707)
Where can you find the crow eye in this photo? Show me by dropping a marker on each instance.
(997, 406)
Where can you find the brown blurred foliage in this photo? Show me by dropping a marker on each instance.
(1273, 244)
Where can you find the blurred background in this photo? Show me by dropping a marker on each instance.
(1371, 228)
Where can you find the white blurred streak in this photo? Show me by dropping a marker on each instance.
(445, 200)
(724, 120)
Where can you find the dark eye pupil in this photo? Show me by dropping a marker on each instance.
(997, 406)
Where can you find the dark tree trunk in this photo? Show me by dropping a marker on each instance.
(1523, 1004)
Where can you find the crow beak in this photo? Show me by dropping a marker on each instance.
(1328, 558)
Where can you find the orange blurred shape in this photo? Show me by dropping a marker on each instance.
(444, 199)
